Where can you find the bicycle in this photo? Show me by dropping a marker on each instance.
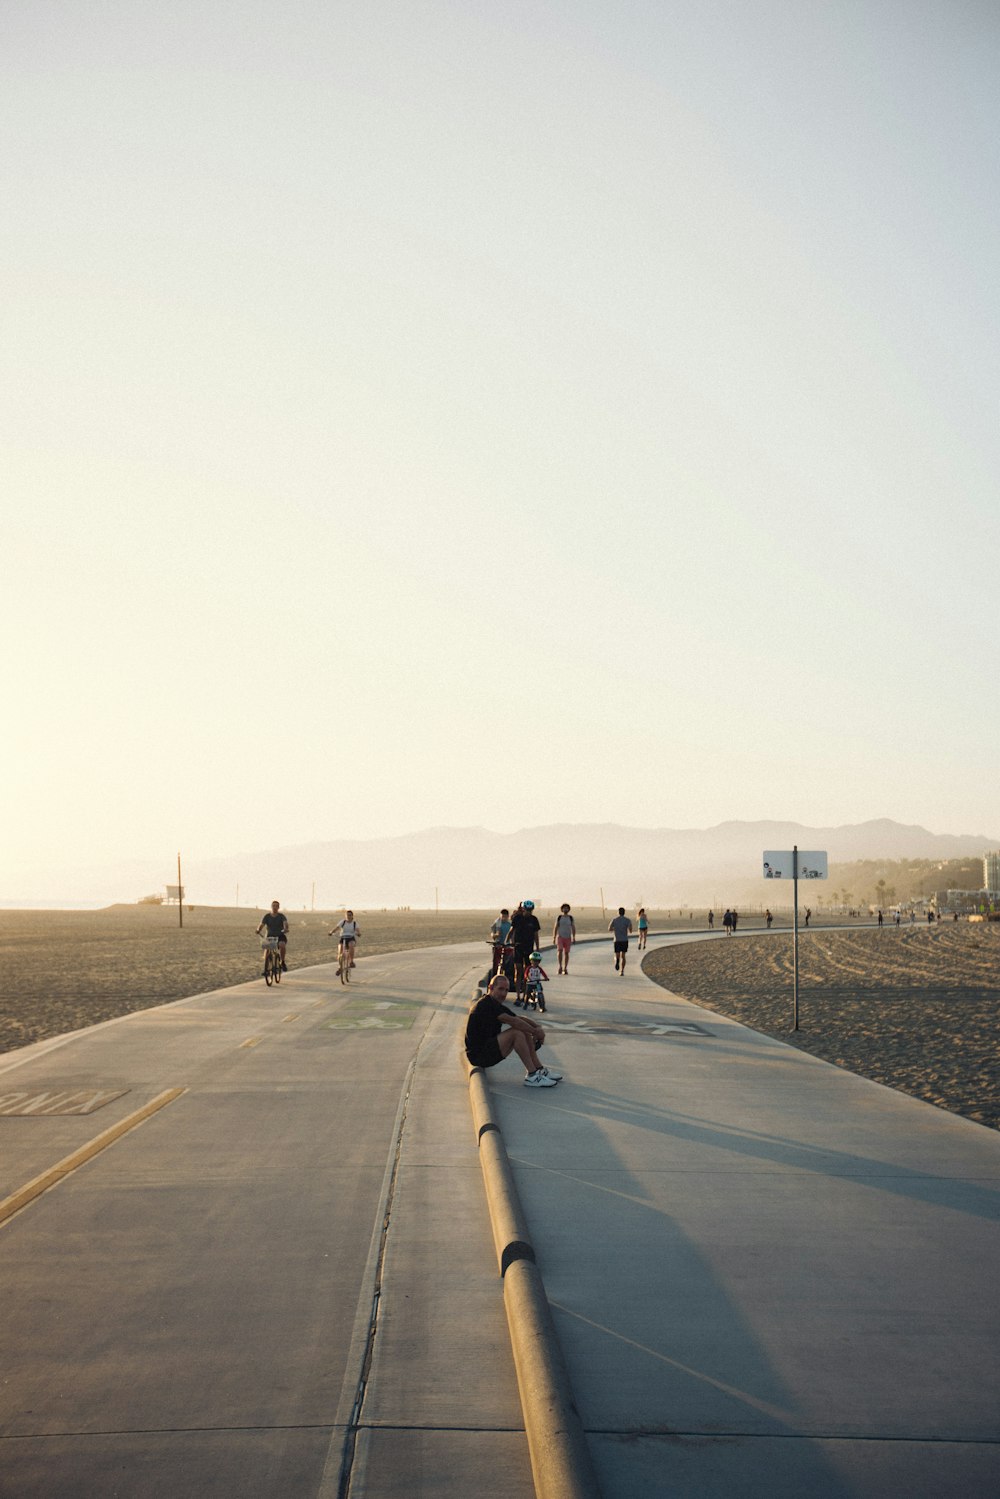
(503, 959)
(272, 963)
(345, 961)
(534, 995)
(520, 966)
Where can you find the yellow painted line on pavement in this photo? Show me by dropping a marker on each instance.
(253, 1041)
(26, 1194)
(288, 1018)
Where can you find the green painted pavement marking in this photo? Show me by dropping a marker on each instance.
(374, 1015)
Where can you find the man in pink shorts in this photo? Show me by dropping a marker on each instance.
(563, 935)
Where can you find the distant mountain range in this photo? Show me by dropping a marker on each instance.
(472, 867)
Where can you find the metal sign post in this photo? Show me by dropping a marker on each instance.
(795, 937)
(784, 864)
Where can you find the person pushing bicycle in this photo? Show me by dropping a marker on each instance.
(499, 936)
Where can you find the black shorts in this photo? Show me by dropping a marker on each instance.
(622, 946)
(487, 1055)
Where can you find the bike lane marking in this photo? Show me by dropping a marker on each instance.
(374, 1015)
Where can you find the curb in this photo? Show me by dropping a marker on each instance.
(560, 1459)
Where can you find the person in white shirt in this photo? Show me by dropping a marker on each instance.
(349, 933)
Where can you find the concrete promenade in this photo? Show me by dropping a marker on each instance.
(281, 1283)
(768, 1277)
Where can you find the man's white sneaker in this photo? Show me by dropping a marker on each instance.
(539, 1079)
(551, 1072)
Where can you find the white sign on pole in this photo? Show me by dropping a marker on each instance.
(779, 864)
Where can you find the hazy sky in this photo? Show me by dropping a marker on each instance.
(443, 413)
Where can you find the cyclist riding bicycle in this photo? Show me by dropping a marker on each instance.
(349, 934)
(275, 923)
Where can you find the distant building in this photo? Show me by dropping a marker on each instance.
(991, 872)
(962, 901)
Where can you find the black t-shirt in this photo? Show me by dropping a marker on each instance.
(526, 929)
(484, 1023)
(274, 923)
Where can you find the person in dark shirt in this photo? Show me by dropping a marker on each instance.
(525, 934)
(620, 925)
(275, 923)
(493, 1032)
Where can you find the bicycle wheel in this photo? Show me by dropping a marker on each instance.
(345, 966)
(276, 966)
(269, 968)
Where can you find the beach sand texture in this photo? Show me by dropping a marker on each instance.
(915, 1008)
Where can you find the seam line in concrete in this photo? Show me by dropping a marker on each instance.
(637, 1433)
(336, 1479)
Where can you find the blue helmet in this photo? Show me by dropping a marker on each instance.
(529, 905)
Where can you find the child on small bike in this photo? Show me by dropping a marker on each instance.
(534, 994)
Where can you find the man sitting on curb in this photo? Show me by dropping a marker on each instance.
(488, 1042)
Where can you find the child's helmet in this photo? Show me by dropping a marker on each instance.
(529, 905)
(536, 957)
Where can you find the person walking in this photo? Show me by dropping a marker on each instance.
(727, 922)
(736, 917)
(563, 935)
(768, 918)
(711, 921)
(525, 932)
(621, 926)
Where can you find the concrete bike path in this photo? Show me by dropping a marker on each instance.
(189, 1310)
(769, 1277)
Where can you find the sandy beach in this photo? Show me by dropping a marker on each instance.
(915, 1008)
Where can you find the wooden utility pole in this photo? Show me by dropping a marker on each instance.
(180, 892)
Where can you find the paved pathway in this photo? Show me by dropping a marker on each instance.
(189, 1311)
(770, 1278)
